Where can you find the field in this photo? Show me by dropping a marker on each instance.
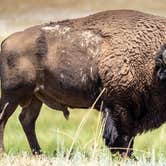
(77, 141)
(81, 133)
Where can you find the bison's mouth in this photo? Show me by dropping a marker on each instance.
(121, 145)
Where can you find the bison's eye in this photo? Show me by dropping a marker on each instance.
(158, 63)
(164, 56)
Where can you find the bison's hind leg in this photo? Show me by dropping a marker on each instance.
(28, 118)
(8, 105)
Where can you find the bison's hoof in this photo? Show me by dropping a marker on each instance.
(37, 152)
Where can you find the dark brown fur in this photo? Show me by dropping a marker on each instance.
(68, 63)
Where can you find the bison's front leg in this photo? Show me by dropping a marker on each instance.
(117, 131)
(28, 118)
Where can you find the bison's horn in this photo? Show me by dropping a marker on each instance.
(164, 56)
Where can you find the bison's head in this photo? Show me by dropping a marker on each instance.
(114, 136)
(161, 64)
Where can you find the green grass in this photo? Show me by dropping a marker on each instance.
(56, 134)
(52, 130)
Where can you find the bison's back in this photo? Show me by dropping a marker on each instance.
(126, 50)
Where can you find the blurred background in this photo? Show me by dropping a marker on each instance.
(52, 128)
(18, 14)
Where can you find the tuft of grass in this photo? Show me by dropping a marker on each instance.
(79, 158)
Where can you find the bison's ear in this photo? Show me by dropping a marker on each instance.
(110, 133)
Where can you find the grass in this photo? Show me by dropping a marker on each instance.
(79, 159)
(52, 129)
(56, 135)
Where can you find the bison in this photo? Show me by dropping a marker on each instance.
(69, 63)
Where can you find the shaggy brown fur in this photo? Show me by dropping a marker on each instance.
(68, 63)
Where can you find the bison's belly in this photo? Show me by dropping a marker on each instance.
(52, 98)
(72, 88)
